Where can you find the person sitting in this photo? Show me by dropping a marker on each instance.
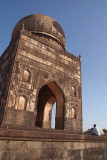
(97, 131)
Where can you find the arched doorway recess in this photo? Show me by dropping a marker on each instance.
(48, 95)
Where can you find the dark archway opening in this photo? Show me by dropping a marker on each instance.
(49, 95)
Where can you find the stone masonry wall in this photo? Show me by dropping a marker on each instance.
(45, 64)
(39, 150)
(6, 64)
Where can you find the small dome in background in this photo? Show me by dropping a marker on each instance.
(39, 23)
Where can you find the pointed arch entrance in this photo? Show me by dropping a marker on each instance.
(48, 95)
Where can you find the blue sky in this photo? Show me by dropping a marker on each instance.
(85, 25)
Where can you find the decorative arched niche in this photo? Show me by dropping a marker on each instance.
(26, 76)
(22, 103)
(73, 113)
(73, 89)
(48, 95)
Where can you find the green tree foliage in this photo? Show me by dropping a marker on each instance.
(105, 131)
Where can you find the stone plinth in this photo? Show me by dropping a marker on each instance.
(57, 145)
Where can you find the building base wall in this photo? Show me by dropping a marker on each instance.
(25, 150)
(32, 150)
(50, 145)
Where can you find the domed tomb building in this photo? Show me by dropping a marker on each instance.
(37, 73)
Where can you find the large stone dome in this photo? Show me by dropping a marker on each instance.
(39, 23)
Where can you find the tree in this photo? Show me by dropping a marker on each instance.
(105, 131)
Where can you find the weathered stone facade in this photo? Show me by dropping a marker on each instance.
(36, 71)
